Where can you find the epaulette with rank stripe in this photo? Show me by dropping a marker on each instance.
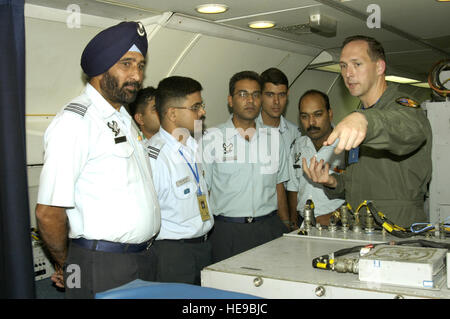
(76, 108)
(153, 152)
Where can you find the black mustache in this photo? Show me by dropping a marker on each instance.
(313, 128)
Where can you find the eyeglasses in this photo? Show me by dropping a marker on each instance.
(272, 94)
(245, 94)
(195, 107)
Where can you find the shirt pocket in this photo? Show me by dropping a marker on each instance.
(228, 168)
(123, 149)
(184, 190)
(299, 172)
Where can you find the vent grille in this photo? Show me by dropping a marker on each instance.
(298, 29)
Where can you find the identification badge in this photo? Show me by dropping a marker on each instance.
(203, 207)
(353, 155)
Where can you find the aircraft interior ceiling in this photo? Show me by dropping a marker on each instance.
(413, 32)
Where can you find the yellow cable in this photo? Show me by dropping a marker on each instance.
(364, 203)
(349, 206)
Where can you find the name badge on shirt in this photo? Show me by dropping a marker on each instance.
(353, 155)
(183, 181)
(203, 207)
(230, 158)
(120, 139)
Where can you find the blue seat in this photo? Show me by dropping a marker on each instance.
(140, 289)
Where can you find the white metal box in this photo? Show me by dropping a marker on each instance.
(416, 267)
(438, 114)
(283, 268)
(448, 270)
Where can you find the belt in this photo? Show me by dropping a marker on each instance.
(243, 220)
(195, 240)
(112, 247)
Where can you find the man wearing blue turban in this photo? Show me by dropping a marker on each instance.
(97, 208)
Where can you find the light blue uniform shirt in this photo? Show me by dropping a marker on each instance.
(303, 147)
(242, 175)
(288, 131)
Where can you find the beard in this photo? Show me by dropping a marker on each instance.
(123, 95)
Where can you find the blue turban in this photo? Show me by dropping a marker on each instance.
(107, 47)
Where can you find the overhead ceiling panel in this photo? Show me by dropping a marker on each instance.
(423, 18)
(237, 8)
(414, 32)
(119, 10)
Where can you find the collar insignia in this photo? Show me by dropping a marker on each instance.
(227, 148)
(114, 127)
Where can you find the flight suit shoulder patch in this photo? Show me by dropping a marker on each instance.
(405, 101)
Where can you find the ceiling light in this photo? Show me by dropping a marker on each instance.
(211, 8)
(399, 79)
(261, 24)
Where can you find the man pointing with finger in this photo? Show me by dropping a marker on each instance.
(388, 139)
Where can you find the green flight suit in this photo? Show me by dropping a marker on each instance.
(394, 165)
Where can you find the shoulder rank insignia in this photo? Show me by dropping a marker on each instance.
(407, 102)
(76, 108)
(153, 152)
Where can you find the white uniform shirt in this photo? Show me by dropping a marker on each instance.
(176, 186)
(242, 175)
(303, 147)
(95, 166)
